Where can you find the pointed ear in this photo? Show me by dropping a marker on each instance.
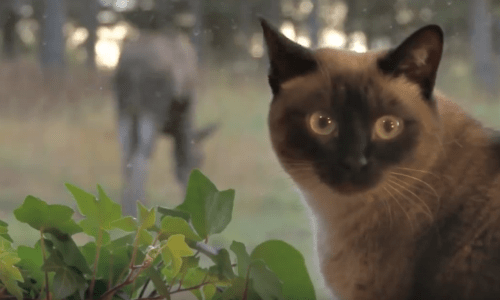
(417, 58)
(287, 58)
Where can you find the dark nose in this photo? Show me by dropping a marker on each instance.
(353, 163)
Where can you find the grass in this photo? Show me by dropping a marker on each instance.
(66, 132)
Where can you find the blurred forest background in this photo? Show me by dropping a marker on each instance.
(58, 119)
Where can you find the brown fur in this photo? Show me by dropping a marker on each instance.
(430, 228)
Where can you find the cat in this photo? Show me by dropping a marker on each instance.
(403, 185)
(155, 91)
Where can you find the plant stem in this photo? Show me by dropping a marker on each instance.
(96, 261)
(247, 280)
(136, 246)
(44, 255)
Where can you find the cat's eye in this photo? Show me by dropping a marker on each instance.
(388, 127)
(321, 123)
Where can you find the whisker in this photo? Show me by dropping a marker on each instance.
(421, 171)
(399, 204)
(428, 212)
(394, 177)
(419, 180)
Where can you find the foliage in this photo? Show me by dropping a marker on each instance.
(158, 252)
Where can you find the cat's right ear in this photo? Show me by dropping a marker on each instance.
(287, 58)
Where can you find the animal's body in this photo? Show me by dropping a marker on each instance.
(403, 184)
(155, 88)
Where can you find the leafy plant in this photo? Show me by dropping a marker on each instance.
(153, 256)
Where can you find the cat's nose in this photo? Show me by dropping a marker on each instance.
(353, 163)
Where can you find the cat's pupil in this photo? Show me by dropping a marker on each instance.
(323, 121)
(389, 125)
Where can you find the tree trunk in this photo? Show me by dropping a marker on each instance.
(314, 24)
(197, 38)
(52, 38)
(90, 19)
(9, 33)
(485, 66)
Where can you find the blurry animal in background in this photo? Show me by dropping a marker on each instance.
(155, 91)
(10, 14)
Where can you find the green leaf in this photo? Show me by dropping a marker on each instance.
(157, 280)
(288, 264)
(210, 210)
(175, 225)
(99, 214)
(147, 218)
(41, 216)
(145, 238)
(223, 265)
(108, 210)
(242, 256)
(188, 262)
(128, 224)
(71, 254)
(3, 231)
(172, 252)
(12, 286)
(113, 258)
(265, 282)
(9, 273)
(173, 213)
(66, 281)
(31, 263)
(209, 291)
(235, 291)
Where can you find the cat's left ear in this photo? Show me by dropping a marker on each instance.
(287, 58)
(417, 58)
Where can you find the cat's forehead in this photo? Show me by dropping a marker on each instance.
(341, 78)
(337, 61)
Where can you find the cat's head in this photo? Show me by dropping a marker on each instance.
(346, 119)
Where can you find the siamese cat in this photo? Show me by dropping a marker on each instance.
(404, 186)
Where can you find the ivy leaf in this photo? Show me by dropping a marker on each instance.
(4, 230)
(145, 238)
(9, 273)
(71, 254)
(242, 256)
(108, 210)
(173, 213)
(147, 218)
(127, 224)
(210, 209)
(66, 281)
(235, 291)
(175, 225)
(31, 263)
(99, 213)
(288, 264)
(41, 216)
(172, 252)
(265, 282)
(209, 291)
(157, 280)
(223, 265)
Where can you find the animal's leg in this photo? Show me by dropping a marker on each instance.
(128, 141)
(147, 132)
(186, 156)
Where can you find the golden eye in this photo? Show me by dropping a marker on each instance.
(321, 123)
(388, 127)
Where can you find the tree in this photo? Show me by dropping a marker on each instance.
(481, 42)
(52, 38)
